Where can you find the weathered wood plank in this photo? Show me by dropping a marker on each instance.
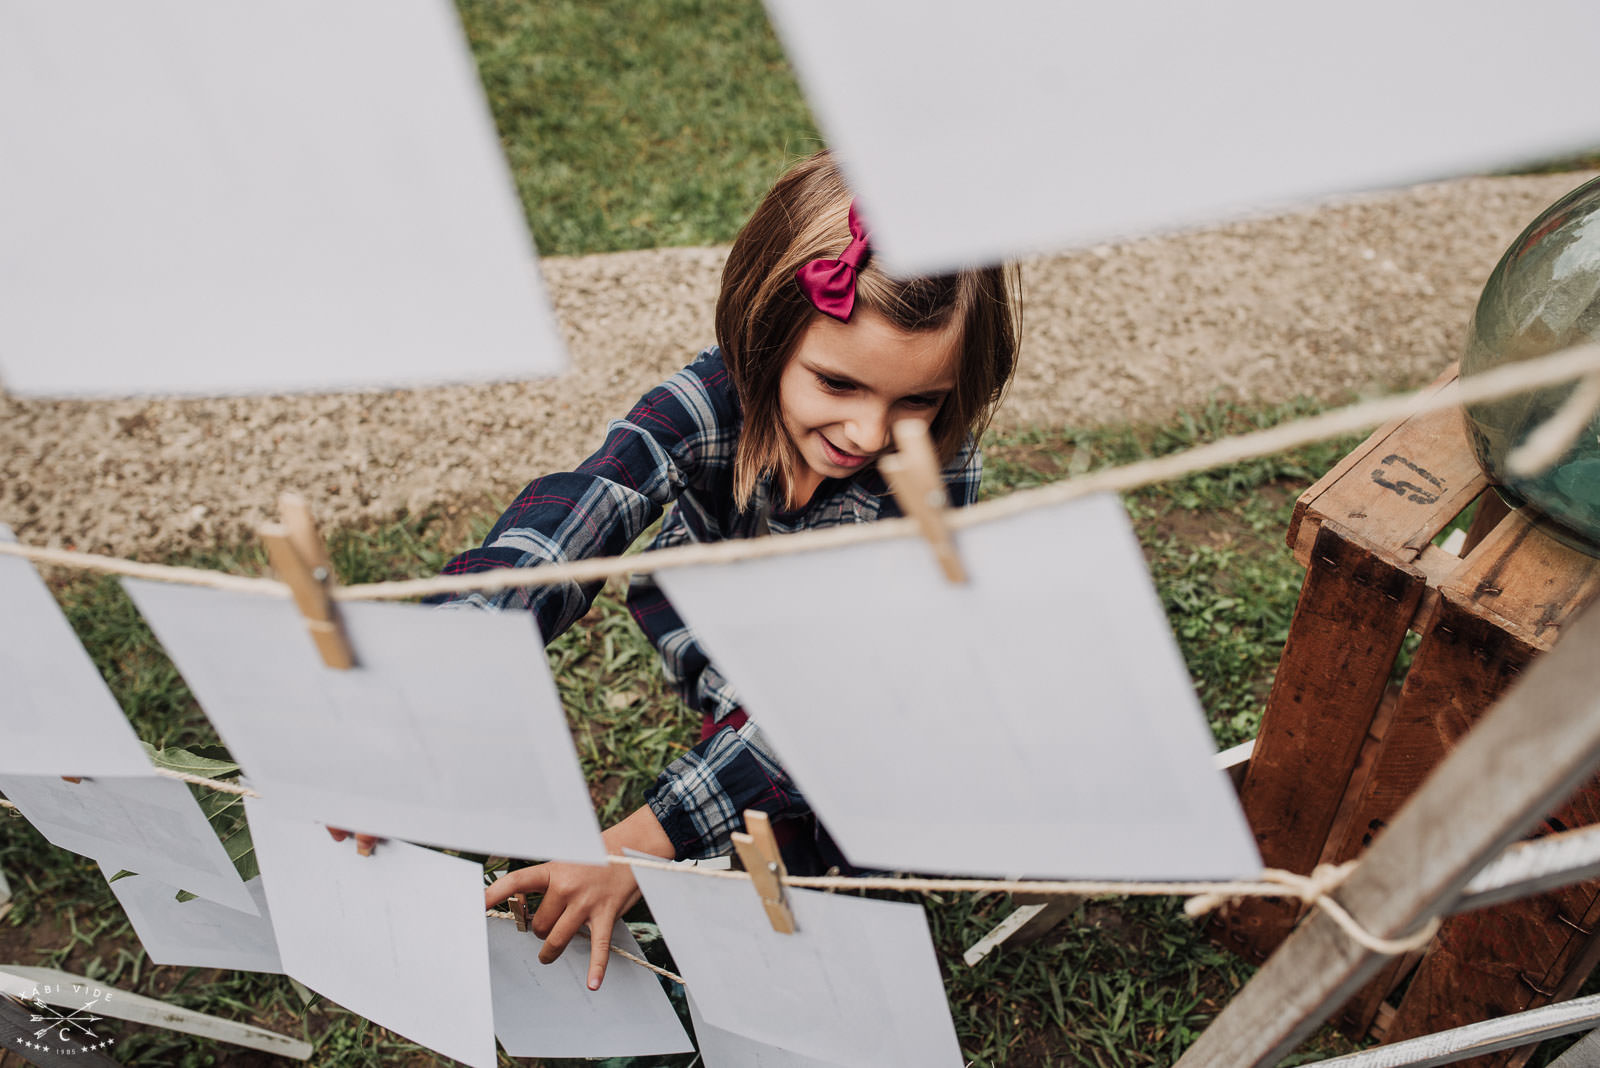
(1525, 581)
(1526, 756)
(1029, 922)
(1586, 1054)
(1535, 866)
(1462, 665)
(1569, 972)
(1456, 1045)
(1400, 487)
(1349, 810)
(1354, 611)
(1489, 619)
(1485, 965)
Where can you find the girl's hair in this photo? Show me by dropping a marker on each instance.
(762, 313)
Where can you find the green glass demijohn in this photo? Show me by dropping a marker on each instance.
(1543, 296)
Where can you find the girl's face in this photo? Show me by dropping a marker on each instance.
(847, 384)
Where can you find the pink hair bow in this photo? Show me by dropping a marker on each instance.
(830, 285)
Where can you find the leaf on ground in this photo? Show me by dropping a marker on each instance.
(221, 809)
(242, 851)
(190, 763)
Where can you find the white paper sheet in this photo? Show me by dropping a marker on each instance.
(197, 933)
(397, 937)
(724, 1049)
(1038, 720)
(548, 1010)
(448, 731)
(1075, 123)
(222, 198)
(858, 983)
(148, 825)
(56, 714)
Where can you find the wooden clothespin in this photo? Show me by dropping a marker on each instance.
(301, 560)
(758, 852)
(913, 475)
(519, 911)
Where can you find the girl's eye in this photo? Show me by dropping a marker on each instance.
(923, 402)
(834, 385)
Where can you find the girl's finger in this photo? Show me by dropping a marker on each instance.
(532, 880)
(599, 948)
(556, 943)
(364, 842)
(547, 917)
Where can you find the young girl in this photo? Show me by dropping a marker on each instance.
(776, 429)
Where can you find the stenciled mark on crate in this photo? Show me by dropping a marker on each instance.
(1396, 473)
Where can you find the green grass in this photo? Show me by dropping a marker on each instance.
(638, 125)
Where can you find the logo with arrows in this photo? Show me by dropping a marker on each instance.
(68, 1026)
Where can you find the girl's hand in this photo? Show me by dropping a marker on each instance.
(579, 894)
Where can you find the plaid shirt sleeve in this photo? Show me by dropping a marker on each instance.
(602, 506)
(701, 797)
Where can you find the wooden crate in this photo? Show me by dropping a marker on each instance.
(1343, 743)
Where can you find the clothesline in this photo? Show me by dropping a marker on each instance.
(1204, 895)
(1316, 890)
(1579, 362)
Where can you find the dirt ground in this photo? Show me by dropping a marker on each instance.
(1366, 294)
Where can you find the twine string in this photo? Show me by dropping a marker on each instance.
(1315, 890)
(1578, 362)
(219, 785)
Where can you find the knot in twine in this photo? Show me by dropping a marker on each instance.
(1316, 890)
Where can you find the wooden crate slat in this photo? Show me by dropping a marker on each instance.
(1366, 766)
(1526, 581)
(1355, 459)
(1348, 626)
(1516, 956)
(1508, 600)
(1399, 489)
(1462, 665)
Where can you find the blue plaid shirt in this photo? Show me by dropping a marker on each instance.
(674, 453)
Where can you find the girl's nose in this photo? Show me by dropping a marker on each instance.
(869, 429)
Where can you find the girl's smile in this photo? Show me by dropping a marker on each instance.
(847, 384)
(840, 458)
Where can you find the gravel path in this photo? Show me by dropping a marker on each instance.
(1367, 294)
